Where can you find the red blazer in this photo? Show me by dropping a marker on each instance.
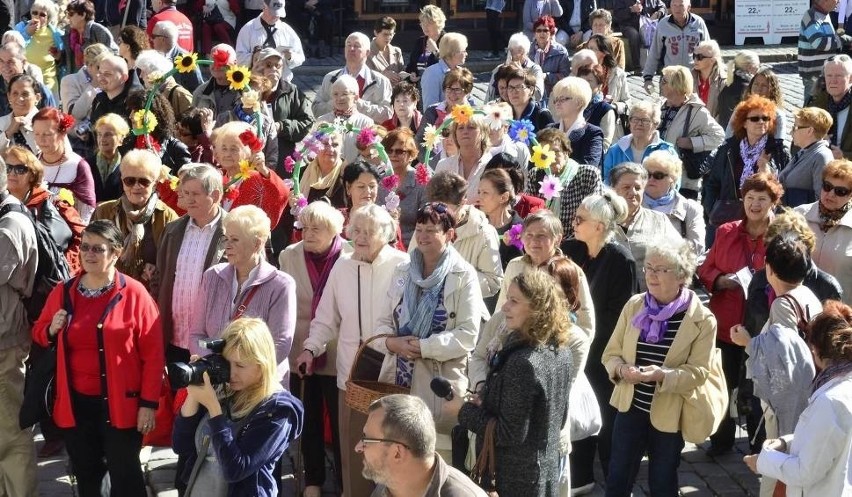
(132, 350)
(527, 204)
(731, 251)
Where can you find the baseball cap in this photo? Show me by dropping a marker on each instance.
(276, 7)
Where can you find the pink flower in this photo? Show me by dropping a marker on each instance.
(390, 182)
(422, 174)
(301, 202)
(297, 156)
(366, 137)
(289, 183)
(288, 164)
(513, 236)
(550, 187)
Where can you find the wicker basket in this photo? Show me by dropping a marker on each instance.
(361, 393)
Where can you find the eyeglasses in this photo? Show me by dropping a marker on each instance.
(796, 128)
(95, 249)
(643, 121)
(657, 175)
(560, 100)
(367, 440)
(130, 182)
(755, 119)
(543, 30)
(17, 169)
(36, 13)
(840, 191)
(397, 151)
(516, 87)
(454, 90)
(656, 271)
(699, 57)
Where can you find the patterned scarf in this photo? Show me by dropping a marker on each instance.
(421, 295)
(134, 222)
(829, 219)
(835, 108)
(841, 368)
(653, 319)
(346, 114)
(750, 154)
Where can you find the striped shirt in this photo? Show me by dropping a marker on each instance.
(648, 354)
(817, 42)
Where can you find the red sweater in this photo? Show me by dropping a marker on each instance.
(270, 194)
(132, 349)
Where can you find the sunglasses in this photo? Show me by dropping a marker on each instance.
(397, 151)
(699, 56)
(657, 175)
(756, 119)
(542, 31)
(38, 14)
(130, 182)
(95, 249)
(17, 169)
(840, 191)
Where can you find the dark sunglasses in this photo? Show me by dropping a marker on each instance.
(657, 175)
(130, 182)
(698, 56)
(840, 191)
(17, 169)
(397, 151)
(756, 119)
(95, 249)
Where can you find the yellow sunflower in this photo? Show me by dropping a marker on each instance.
(462, 113)
(238, 77)
(144, 121)
(186, 63)
(542, 156)
(66, 195)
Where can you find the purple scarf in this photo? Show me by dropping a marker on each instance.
(840, 368)
(319, 267)
(653, 319)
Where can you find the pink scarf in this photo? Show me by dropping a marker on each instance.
(77, 48)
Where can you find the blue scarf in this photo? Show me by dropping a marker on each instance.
(242, 115)
(421, 295)
(653, 319)
(663, 201)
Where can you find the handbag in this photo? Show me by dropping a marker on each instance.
(56, 226)
(707, 405)
(584, 413)
(40, 383)
(694, 163)
(484, 471)
(164, 417)
(369, 366)
(727, 210)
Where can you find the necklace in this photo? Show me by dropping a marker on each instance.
(47, 162)
(55, 176)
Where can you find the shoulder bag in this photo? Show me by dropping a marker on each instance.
(727, 210)
(694, 163)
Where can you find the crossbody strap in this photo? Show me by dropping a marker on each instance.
(241, 309)
(200, 456)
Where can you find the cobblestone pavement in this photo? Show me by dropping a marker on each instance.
(700, 475)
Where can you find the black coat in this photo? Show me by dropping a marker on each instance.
(729, 97)
(419, 48)
(586, 144)
(292, 109)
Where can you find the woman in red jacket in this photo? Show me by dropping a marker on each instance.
(109, 365)
(738, 249)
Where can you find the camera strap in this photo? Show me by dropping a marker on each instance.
(241, 309)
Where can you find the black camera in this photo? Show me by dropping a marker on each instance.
(217, 367)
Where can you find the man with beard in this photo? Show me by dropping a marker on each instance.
(398, 446)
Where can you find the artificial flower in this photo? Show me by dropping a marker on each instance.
(542, 156)
(246, 168)
(221, 58)
(391, 202)
(462, 113)
(66, 122)
(288, 164)
(496, 116)
(154, 77)
(251, 100)
(238, 77)
(249, 139)
(512, 236)
(297, 156)
(185, 63)
(144, 122)
(366, 137)
(550, 187)
(301, 202)
(65, 195)
(289, 183)
(430, 137)
(422, 174)
(522, 131)
(144, 142)
(390, 182)
(174, 182)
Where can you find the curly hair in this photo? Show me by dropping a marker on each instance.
(548, 321)
(160, 107)
(774, 92)
(763, 182)
(790, 221)
(751, 104)
(830, 332)
(838, 168)
(135, 38)
(546, 21)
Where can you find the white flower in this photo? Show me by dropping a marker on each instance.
(495, 116)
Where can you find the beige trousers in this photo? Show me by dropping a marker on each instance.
(767, 485)
(351, 424)
(17, 452)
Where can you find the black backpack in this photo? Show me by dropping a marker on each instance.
(52, 266)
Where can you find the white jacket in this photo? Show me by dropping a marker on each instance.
(253, 35)
(452, 165)
(818, 461)
(77, 93)
(375, 101)
(338, 314)
(26, 130)
(224, 9)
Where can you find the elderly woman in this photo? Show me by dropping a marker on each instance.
(43, 39)
(751, 150)
(153, 62)
(518, 55)
(139, 214)
(108, 403)
(830, 218)
(131, 41)
(261, 186)
(82, 32)
(577, 180)
(458, 84)
(739, 244)
(62, 167)
(627, 15)
(402, 151)
(686, 123)
(583, 58)
(740, 72)
(533, 12)
(615, 79)
(644, 118)
(246, 286)
(344, 95)
(496, 198)
(384, 57)
(425, 52)
(520, 87)
(173, 152)
(642, 226)
(661, 195)
(549, 54)
(404, 99)
(612, 278)
(802, 178)
(76, 90)
(766, 84)
(525, 391)
(600, 113)
(600, 21)
(708, 75)
(16, 127)
(658, 354)
(25, 175)
(473, 144)
(110, 130)
(352, 309)
(310, 262)
(569, 99)
(453, 53)
(243, 110)
(813, 459)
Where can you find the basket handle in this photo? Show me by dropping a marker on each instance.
(361, 350)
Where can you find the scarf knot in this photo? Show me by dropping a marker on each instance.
(750, 154)
(666, 199)
(653, 319)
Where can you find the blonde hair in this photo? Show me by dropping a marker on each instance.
(249, 220)
(484, 132)
(230, 129)
(251, 340)
(433, 14)
(745, 60)
(668, 161)
(819, 119)
(716, 54)
(29, 159)
(790, 221)
(451, 44)
(647, 107)
(322, 213)
(118, 123)
(574, 87)
(142, 158)
(679, 78)
(548, 321)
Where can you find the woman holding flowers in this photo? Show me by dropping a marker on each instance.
(402, 151)
(563, 183)
(569, 98)
(249, 108)
(344, 95)
(458, 83)
(248, 180)
(471, 135)
(160, 126)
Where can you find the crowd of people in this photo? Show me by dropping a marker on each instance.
(576, 263)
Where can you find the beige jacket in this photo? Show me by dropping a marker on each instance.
(375, 102)
(686, 366)
(703, 130)
(833, 251)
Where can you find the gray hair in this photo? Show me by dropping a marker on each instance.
(15, 49)
(409, 421)
(627, 168)
(320, 212)
(48, 6)
(548, 219)
(15, 36)
(149, 61)
(667, 160)
(519, 40)
(608, 209)
(347, 82)
(647, 107)
(209, 177)
(375, 216)
(678, 253)
(249, 220)
(843, 60)
(745, 60)
(364, 39)
(167, 29)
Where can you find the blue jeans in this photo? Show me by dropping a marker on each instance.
(632, 437)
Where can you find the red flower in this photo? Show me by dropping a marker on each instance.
(390, 182)
(142, 143)
(422, 174)
(251, 140)
(221, 58)
(66, 122)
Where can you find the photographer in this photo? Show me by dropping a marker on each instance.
(244, 428)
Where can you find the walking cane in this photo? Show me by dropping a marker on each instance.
(298, 460)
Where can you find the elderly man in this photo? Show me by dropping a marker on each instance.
(838, 93)
(167, 11)
(12, 62)
(164, 39)
(18, 261)
(216, 93)
(398, 447)
(374, 99)
(676, 38)
(268, 30)
(113, 78)
(818, 41)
